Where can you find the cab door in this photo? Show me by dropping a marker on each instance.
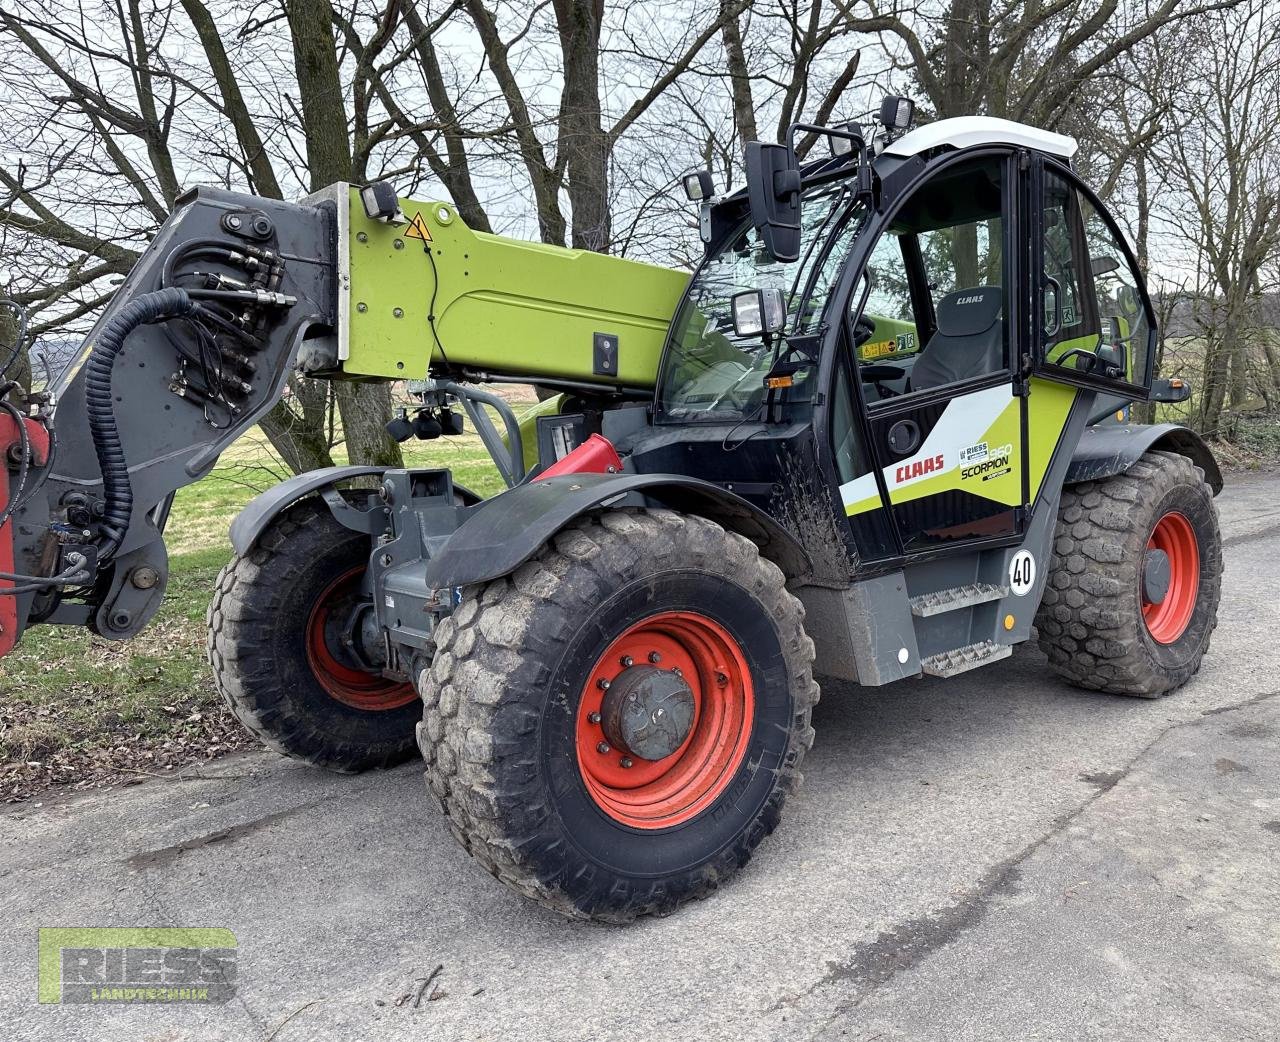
(936, 347)
(1095, 327)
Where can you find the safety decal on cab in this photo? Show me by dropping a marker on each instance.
(1022, 573)
(903, 343)
(981, 462)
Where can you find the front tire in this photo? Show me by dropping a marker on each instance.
(520, 740)
(1104, 621)
(275, 647)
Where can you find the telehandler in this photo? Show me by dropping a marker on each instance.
(881, 431)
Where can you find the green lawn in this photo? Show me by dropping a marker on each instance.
(77, 709)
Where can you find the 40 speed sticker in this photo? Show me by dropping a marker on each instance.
(1022, 573)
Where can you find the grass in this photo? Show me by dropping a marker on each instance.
(82, 711)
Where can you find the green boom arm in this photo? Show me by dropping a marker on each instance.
(501, 306)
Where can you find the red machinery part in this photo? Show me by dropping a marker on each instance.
(11, 437)
(596, 455)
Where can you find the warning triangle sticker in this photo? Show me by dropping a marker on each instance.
(418, 229)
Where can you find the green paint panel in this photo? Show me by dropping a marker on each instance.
(1048, 404)
(502, 305)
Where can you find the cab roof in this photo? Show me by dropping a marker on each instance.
(967, 131)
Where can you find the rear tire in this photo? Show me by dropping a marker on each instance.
(508, 730)
(1095, 623)
(300, 694)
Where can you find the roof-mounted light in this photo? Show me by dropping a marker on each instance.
(896, 113)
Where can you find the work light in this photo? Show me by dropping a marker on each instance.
(380, 201)
(896, 113)
(697, 185)
(758, 312)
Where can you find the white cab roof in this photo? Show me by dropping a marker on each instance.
(966, 131)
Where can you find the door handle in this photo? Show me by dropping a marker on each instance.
(1052, 333)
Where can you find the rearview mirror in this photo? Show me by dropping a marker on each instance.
(1173, 389)
(1103, 265)
(759, 312)
(773, 188)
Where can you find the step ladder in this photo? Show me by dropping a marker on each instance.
(961, 660)
(935, 603)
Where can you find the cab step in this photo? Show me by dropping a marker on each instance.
(960, 660)
(956, 597)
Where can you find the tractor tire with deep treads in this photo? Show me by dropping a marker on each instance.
(299, 692)
(510, 728)
(1096, 622)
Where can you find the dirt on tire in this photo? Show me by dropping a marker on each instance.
(1090, 620)
(501, 690)
(257, 647)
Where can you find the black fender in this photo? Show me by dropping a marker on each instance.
(507, 530)
(1106, 450)
(260, 511)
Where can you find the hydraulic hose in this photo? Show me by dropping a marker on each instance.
(117, 490)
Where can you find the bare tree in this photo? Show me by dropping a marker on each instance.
(1226, 163)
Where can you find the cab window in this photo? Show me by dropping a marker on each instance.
(1096, 322)
(938, 283)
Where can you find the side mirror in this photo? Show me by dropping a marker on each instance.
(1172, 389)
(1103, 265)
(759, 312)
(773, 187)
(697, 185)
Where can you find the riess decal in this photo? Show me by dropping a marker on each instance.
(917, 468)
(986, 464)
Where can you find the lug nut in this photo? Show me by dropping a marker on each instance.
(627, 661)
(678, 671)
(721, 679)
(593, 718)
(602, 748)
(654, 657)
(626, 761)
(602, 684)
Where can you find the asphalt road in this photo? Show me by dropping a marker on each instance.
(997, 856)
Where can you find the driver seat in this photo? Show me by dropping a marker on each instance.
(969, 340)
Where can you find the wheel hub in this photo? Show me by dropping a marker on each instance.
(666, 754)
(1169, 589)
(647, 712)
(1156, 574)
(338, 642)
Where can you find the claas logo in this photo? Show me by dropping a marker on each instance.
(917, 468)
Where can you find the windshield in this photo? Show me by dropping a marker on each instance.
(711, 374)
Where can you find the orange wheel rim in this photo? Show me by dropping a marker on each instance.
(343, 681)
(1168, 620)
(653, 794)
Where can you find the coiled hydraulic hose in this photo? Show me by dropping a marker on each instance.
(117, 490)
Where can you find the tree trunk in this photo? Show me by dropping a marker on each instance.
(365, 408)
(583, 141)
(744, 109)
(303, 446)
